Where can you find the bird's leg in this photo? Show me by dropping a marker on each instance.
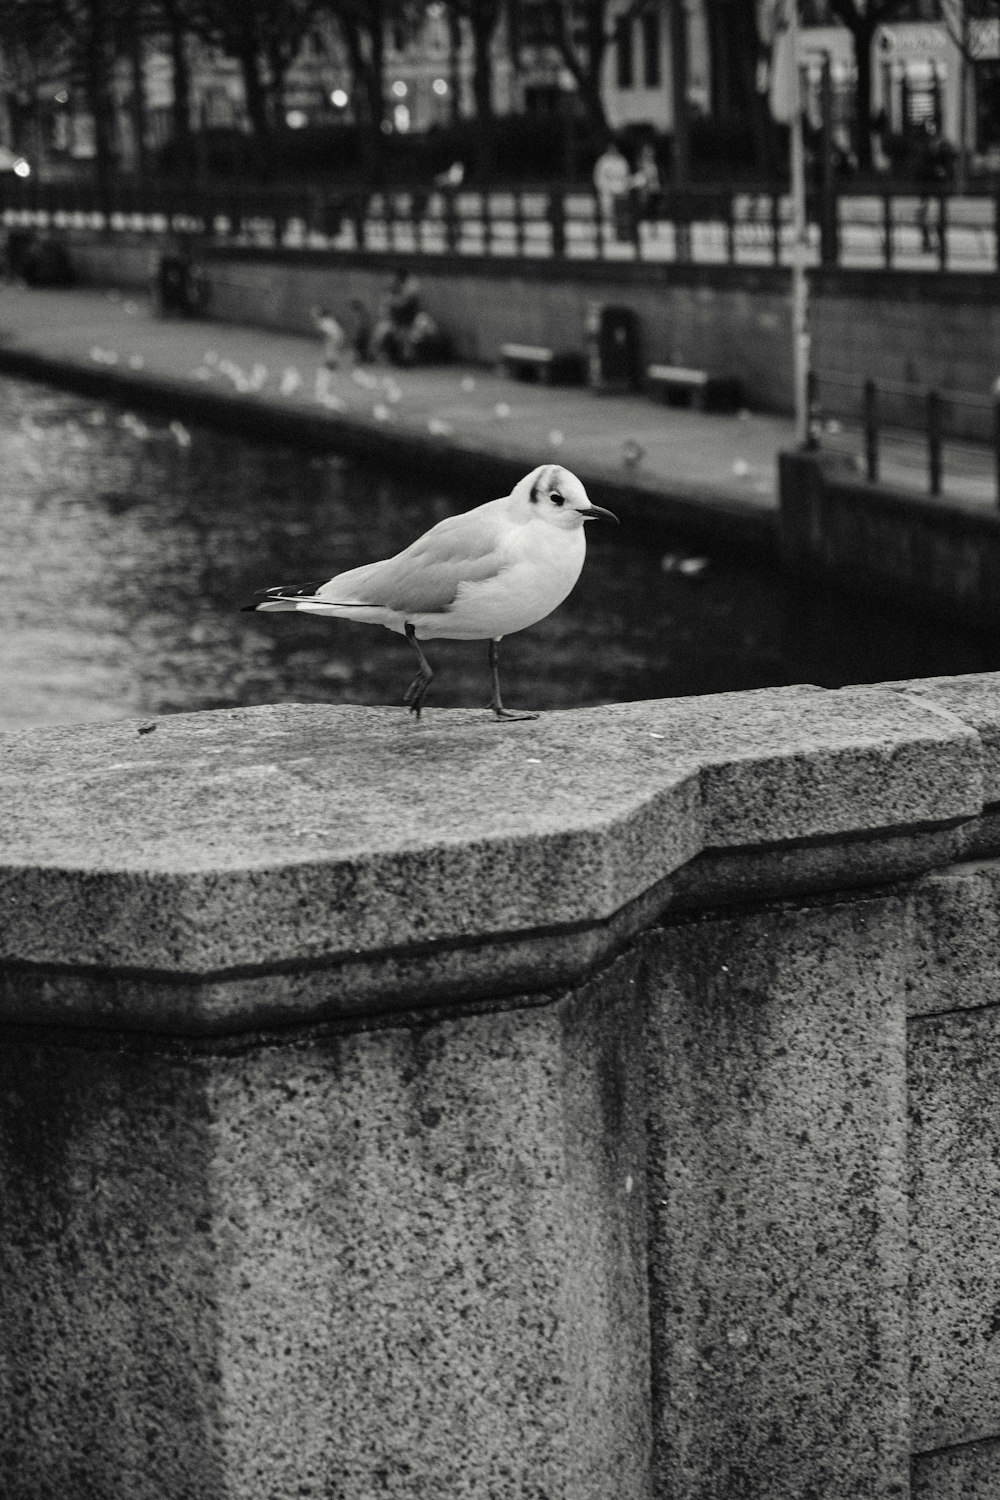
(417, 690)
(496, 702)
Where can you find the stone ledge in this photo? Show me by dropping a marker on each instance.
(455, 856)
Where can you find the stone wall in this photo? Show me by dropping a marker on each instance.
(604, 1105)
(921, 329)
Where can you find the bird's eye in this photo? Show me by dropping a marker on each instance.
(556, 498)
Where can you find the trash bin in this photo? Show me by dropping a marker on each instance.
(613, 348)
(46, 263)
(173, 285)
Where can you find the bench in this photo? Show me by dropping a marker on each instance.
(681, 386)
(535, 362)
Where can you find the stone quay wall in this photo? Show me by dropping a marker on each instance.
(921, 551)
(918, 329)
(599, 1106)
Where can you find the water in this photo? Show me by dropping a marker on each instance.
(125, 552)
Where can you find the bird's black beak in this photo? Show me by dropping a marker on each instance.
(598, 513)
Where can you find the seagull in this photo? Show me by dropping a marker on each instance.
(476, 576)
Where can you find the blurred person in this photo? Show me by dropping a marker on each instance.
(336, 346)
(392, 337)
(612, 176)
(646, 177)
(361, 337)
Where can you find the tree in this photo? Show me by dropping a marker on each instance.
(263, 37)
(863, 19)
(362, 25)
(735, 52)
(582, 36)
(971, 25)
(171, 15)
(482, 18)
(33, 35)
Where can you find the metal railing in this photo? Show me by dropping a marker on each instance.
(902, 432)
(746, 227)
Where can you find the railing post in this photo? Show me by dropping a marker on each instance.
(557, 222)
(996, 430)
(602, 228)
(943, 231)
(359, 212)
(871, 431)
(887, 230)
(486, 220)
(934, 441)
(518, 202)
(776, 227)
(448, 219)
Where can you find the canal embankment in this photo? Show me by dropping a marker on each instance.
(713, 478)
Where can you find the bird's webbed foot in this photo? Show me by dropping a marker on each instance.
(508, 714)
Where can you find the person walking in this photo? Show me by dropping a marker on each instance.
(612, 176)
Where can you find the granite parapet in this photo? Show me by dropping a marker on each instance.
(194, 857)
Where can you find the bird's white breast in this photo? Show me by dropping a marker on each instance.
(541, 565)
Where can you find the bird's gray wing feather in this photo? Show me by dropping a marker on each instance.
(425, 578)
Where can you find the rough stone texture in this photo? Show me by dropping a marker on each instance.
(405, 1262)
(298, 836)
(109, 1351)
(778, 1222)
(954, 1082)
(644, 1236)
(954, 951)
(968, 1473)
(975, 699)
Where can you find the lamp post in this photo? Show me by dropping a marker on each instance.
(800, 238)
(782, 30)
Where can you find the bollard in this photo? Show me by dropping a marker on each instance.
(871, 432)
(812, 410)
(934, 441)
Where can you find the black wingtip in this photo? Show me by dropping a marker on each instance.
(247, 608)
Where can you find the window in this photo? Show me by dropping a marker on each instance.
(651, 72)
(625, 74)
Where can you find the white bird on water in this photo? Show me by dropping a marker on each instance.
(472, 577)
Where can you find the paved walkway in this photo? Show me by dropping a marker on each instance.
(727, 461)
(673, 459)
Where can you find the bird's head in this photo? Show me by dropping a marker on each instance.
(552, 494)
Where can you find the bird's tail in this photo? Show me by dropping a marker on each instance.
(302, 597)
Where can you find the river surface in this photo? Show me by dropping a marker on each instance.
(127, 546)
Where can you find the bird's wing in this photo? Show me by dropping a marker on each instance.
(425, 578)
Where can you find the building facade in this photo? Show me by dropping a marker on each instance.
(931, 71)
